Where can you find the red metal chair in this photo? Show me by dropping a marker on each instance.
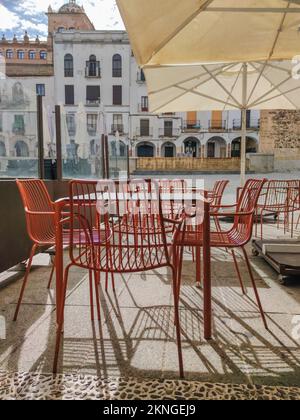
(40, 220)
(278, 198)
(39, 213)
(238, 236)
(134, 236)
(216, 196)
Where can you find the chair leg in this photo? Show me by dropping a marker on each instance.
(97, 294)
(255, 289)
(33, 250)
(198, 266)
(177, 321)
(51, 275)
(91, 294)
(238, 272)
(60, 325)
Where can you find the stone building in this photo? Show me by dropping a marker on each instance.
(95, 78)
(280, 136)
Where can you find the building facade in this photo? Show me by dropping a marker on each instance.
(93, 75)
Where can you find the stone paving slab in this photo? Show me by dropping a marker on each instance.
(28, 386)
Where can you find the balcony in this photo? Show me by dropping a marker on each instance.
(91, 129)
(117, 127)
(140, 78)
(18, 130)
(93, 70)
(93, 102)
(143, 108)
(143, 132)
(252, 124)
(217, 125)
(191, 126)
(169, 132)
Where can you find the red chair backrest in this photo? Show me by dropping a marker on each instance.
(218, 192)
(130, 234)
(278, 195)
(37, 202)
(248, 200)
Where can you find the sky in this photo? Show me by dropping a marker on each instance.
(16, 16)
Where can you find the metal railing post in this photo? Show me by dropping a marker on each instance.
(58, 142)
(40, 133)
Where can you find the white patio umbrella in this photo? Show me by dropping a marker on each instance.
(190, 51)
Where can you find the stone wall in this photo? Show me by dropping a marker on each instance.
(280, 135)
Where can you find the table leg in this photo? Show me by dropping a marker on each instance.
(207, 274)
(58, 258)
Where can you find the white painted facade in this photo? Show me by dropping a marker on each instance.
(104, 45)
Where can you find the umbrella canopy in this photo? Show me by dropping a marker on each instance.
(268, 85)
(200, 31)
(217, 54)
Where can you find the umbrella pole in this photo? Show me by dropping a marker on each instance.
(244, 126)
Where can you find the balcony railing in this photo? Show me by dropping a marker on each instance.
(143, 132)
(169, 132)
(92, 102)
(18, 130)
(140, 78)
(252, 124)
(143, 108)
(191, 126)
(117, 127)
(91, 129)
(93, 71)
(217, 125)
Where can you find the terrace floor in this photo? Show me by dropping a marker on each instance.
(132, 353)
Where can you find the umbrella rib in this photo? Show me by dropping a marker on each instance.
(258, 100)
(180, 28)
(271, 52)
(219, 71)
(207, 96)
(279, 31)
(277, 96)
(222, 87)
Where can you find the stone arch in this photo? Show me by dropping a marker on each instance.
(21, 148)
(168, 150)
(251, 146)
(192, 147)
(145, 149)
(2, 149)
(216, 147)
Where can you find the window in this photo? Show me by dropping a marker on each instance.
(71, 124)
(43, 55)
(9, 54)
(145, 128)
(69, 66)
(93, 95)
(69, 95)
(117, 95)
(117, 66)
(19, 125)
(21, 54)
(168, 128)
(92, 120)
(22, 149)
(144, 104)
(118, 123)
(141, 76)
(32, 55)
(40, 90)
(93, 67)
(1, 122)
(60, 29)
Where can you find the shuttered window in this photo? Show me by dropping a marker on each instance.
(117, 95)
